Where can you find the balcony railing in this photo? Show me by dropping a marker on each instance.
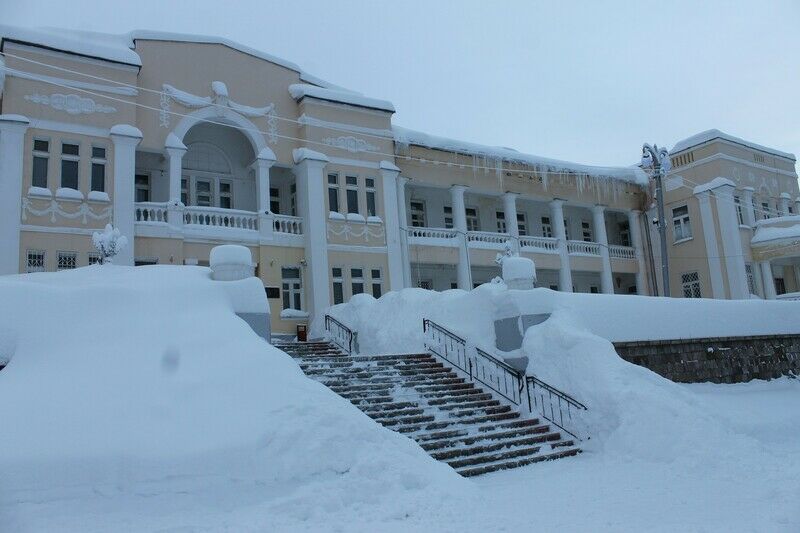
(432, 233)
(153, 215)
(488, 238)
(547, 245)
(151, 212)
(288, 224)
(220, 218)
(789, 296)
(583, 248)
(621, 252)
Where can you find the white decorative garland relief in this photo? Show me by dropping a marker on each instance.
(84, 212)
(71, 103)
(361, 230)
(350, 143)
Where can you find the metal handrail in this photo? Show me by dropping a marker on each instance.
(557, 400)
(339, 333)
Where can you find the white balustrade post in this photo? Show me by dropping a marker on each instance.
(464, 274)
(12, 147)
(560, 233)
(635, 230)
(510, 214)
(731, 241)
(391, 224)
(712, 249)
(599, 221)
(266, 219)
(768, 280)
(125, 139)
(402, 216)
(749, 210)
(309, 172)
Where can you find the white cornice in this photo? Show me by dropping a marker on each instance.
(727, 157)
(64, 82)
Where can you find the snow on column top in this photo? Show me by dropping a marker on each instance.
(174, 142)
(713, 184)
(266, 154)
(301, 154)
(230, 254)
(388, 165)
(14, 118)
(125, 130)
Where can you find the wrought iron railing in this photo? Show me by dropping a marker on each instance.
(556, 406)
(503, 379)
(340, 334)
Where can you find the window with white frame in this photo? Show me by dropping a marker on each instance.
(501, 221)
(681, 225)
(292, 286)
(203, 193)
(226, 194)
(35, 261)
(70, 160)
(98, 169)
(94, 258)
(624, 231)
(566, 229)
(739, 209)
(357, 280)
(275, 200)
(417, 211)
(333, 193)
(184, 191)
(370, 188)
(473, 222)
(522, 224)
(547, 228)
(586, 231)
(377, 282)
(338, 285)
(448, 217)
(67, 260)
(780, 286)
(41, 159)
(143, 188)
(751, 279)
(351, 183)
(690, 282)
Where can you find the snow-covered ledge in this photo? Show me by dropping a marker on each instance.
(40, 192)
(66, 193)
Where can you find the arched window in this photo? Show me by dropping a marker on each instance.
(206, 157)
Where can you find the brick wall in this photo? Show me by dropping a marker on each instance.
(719, 360)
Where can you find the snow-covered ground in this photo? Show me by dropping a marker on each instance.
(135, 400)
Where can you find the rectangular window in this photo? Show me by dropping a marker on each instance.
(448, 217)
(143, 188)
(681, 225)
(522, 224)
(352, 194)
(333, 193)
(624, 233)
(739, 210)
(547, 228)
(41, 158)
(765, 210)
(780, 286)
(293, 199)
(70, 159)
(98, 169)
(425, 284)
(370, 186)
(202, 193)
(501, 222)
(292, 287)
(473, 224)
(751, 280)
(377, 282)
(94, 258)
(35, 261)
(274, 200)
(184, 190)
(226, 195)
(338, 285)
(586, 231)
(67, 260)
(357, 280)
(690, 283)
(566, 229)
(417, 210)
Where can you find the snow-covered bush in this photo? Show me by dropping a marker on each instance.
(109, 243)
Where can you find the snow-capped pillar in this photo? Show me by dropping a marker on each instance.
(510, 213)
(309, 171)
(391, 224)
(749, 210)
(768, 280)
(175, 152)
(599, 221)
(635, 229)
(783, 202)
(12, 146)
(266, 220)
(731, 240)
(402, 215)
(710, 239)
(560, 232)
(460, 225)
(125, 139)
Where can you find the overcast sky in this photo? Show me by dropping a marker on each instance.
(584, 81)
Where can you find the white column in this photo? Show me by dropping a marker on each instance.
(749, 211)
(797, 206)
(510, 213)
(309, 167)
(601, 235)
(557, 222)
(175, 152)
(266, 219)
(635, 229)
(12, 147)
(402, 216)
(391, 224)
(460, 225)
(712, 249)
(768, 280)
(125, 139)
(783, 202)
(731, 242)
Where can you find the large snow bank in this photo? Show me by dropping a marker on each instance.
(128, 382)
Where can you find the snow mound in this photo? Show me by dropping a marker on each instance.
(141, 380)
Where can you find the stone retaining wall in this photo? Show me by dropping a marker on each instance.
(718, 359)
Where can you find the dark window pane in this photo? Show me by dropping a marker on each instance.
(333, 179)
(356, 273)
(40, 172)
(225, 202)
(333, 199)
(337, 272)
(69, 174)
(70, 149)
(358, 288)
(376, 290)
(376, 274)
(275, 206)
(352, 180)
(370, 182)
(297, 301)
(98, 177)
(338, 293)
(352, 201)
(99, 153)
(41, 146)
(143, 195)
(370, 204)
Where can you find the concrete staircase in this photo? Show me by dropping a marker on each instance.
(454, 420)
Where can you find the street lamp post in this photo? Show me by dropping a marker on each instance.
(657, 160)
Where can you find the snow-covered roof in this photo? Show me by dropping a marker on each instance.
(710, 135)
(301, 90)
(632, 174)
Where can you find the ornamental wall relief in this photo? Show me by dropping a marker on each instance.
(70, 103)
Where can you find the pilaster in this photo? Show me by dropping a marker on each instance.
(12, 146)
(125, 139)
(557, 222)
(460, 225)
(712, 248)
(601, 236)
(391, 222)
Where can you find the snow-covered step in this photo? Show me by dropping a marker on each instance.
(516, 462)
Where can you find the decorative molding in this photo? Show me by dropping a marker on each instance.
(308, 120)
(69, 127)
(84, 212)
(71, 103)
(74, 84)
(350, 143)
(360, 230)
